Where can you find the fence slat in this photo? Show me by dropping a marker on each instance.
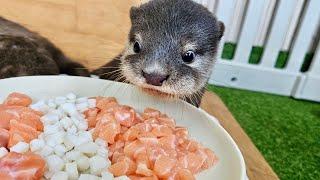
(238, 15)
(212, 4)
(264, 25)
(249, 30)
(293, 25)
(315, 66)
(224, 13)
(278, 32)
(304, 38)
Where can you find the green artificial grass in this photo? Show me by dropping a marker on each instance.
(256, 54)
(286, 131)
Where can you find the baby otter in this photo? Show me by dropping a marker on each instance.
(25, 53)
(171, 49)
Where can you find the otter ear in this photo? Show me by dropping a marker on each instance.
(221, 29)
(134, 13)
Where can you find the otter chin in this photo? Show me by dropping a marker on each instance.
(171, 49)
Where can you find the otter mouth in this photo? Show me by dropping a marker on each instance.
(156, 92)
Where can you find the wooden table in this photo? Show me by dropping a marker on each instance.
(257, 167)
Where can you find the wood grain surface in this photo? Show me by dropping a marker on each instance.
(89, 31)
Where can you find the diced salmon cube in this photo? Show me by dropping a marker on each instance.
(91, 117)
(125, 115)
(137, 177)
(131, 148)
(31, 119)
(119, 169)
(109, 131)
(150, 113)
(4, 137)
(22, 166)
(18, 99)
(106, 103)
(143, 170)
(185, 174)
(194, 162)
(131, 134)
(211, 159)
(163, 166)
(162, 130)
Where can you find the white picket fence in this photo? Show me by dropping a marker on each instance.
(276, 25)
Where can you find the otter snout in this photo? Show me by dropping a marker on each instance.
(154, 79)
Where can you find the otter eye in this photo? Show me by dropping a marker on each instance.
(136, 47)
(188, 57)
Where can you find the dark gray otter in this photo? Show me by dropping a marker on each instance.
(25, 53)
(171, 50)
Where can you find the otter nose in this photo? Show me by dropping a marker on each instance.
(155, 79)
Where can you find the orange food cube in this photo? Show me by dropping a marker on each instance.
(163, 166)
(119, 169)
(143, 170)
(18, 99)
(185, 174)
(125, 115)
(91, 117)
(150, 113)
(4, 137)
(106, 103)
(22, 166)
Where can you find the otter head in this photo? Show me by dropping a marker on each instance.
(172, 47)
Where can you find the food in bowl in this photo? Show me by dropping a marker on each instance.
(69, 138)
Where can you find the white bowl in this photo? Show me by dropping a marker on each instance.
(202, 126)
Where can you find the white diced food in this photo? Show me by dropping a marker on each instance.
(66, 122)
(3, 152)
(40, 106)
(122, 178)
(72, 130)
(82, 126)
(60, 100)
(56, 138)
(92, 103)
(45, 151)
(88, 177)
(89, 148)
(82, 163)
(60, 150)
(103, 152)
(106, 175)
(48, 174)
(60, 175)
(73, 155)
(37, 144)
(75, 120)
(82, 106)
(97, 165)
(68, 142)
(71, 96)
(20, 147)
(100, 142)
(71, 169)
(85, 136)
(51, 103)
(50, 118)
(51, 129)
(55, 163)
(81, 100)
(69, 108)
